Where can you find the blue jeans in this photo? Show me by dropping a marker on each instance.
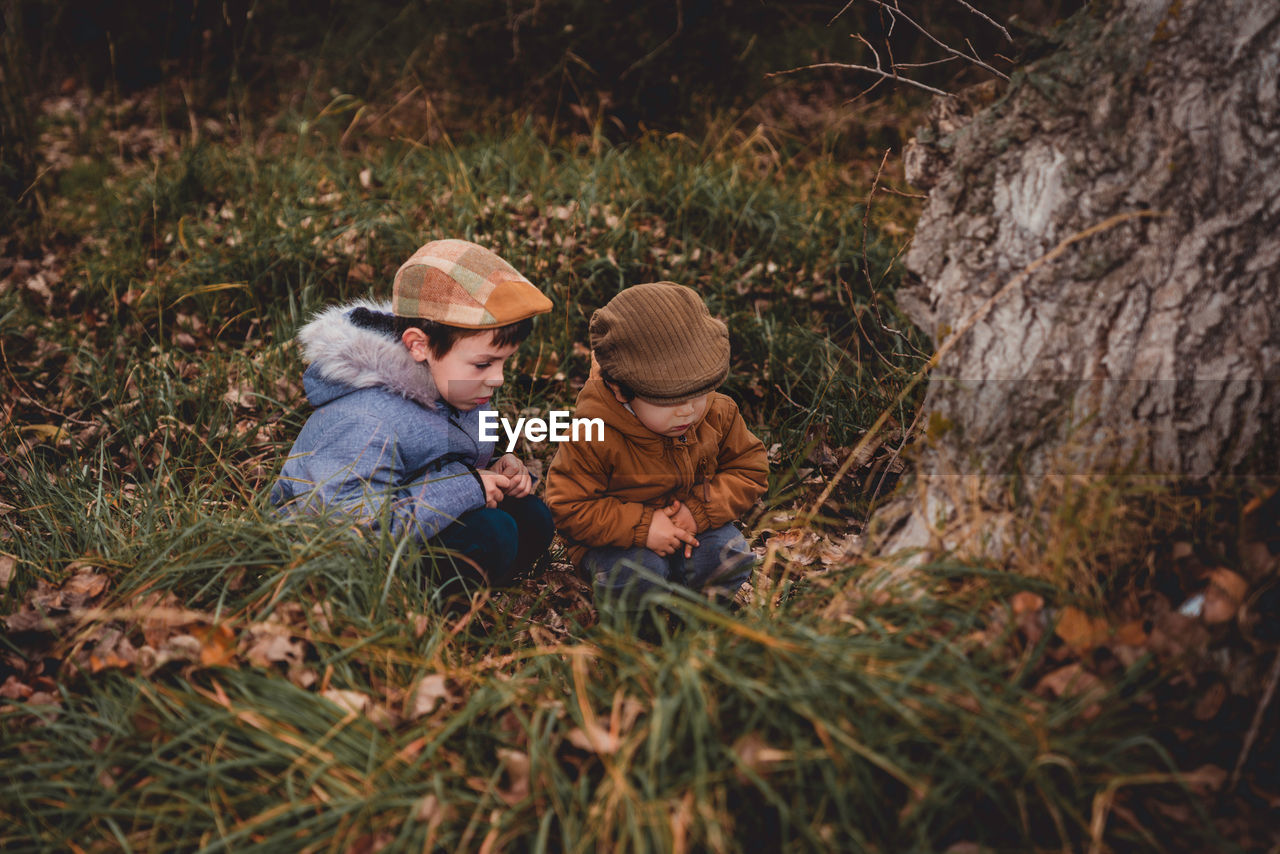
(721, 560)
(501, 541)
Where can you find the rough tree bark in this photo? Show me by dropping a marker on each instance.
(1153, 344)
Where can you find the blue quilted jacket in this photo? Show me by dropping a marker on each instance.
(380, 447)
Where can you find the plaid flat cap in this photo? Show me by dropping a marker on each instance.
(459, 283)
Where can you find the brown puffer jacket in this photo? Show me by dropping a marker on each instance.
(604, 493)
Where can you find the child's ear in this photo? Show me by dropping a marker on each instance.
(415, 341)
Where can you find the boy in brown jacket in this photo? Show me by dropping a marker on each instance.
(653, 504)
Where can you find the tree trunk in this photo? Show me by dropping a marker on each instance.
(1152, 345)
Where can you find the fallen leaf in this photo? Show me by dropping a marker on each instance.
(755, 754)
(353, 702)
(272, 642)
(427, 694)
(370, 843)
(1174, 634)
(431, 810)
(1073, 681)
(1080, 631)
(109, 661)
(1210, 702)
(1131, 633)
(321, 613)
(179, 648)
(240, 395)
(12, 689)
(162, 616)
(840, 551)
(44, 432)
(788, 539)
(218, 645)
(515, 767)
(7, 565)
(1224, 596)
(85, 585)
(31, 620)
(1206, 778)
(1025, 602)
(113, 651)
(593, 738)
(358, 703)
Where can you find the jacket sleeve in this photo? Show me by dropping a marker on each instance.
(367, 481)
(576, 484)
(741, 476)
(435, 500)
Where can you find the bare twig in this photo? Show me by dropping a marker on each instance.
(1267, 694)
(32, 185)
(893, 70)
(843, 9)
(866, 265)
(984, 17)
(644, 60)
(863, 93)
(895, 10)
(31, 398)
(888, 466)
(905, 195)
(866, 220)
(942, 61)
(880, 71)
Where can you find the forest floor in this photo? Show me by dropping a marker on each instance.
(181, 669)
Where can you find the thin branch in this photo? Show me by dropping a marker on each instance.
(984, 17)
(863, 93)
(887, 189)
(895, 10)
(893, 458)
(644, 60)
(942, 61)
(844, 9)
(893, 72)
(1258, 716)
(31, 398)
(879, 64)
(866, 221)
(879, 71)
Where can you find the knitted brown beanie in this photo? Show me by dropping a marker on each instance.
(661, 341)
(460, 283)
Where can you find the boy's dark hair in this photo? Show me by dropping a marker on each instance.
(440, 336)
(627, 392)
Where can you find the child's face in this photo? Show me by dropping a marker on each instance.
(469, 373)
(667, 420)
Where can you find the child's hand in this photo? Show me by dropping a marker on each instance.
(517, 473)
(682, 518)
(495, 486)
(664, 537)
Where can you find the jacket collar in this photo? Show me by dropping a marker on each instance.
(342, 353)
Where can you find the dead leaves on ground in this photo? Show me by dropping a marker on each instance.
(73, 628)
(1217, 673)
(61, 631)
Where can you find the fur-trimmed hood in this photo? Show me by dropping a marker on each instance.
(343, 357)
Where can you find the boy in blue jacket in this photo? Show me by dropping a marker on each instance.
(398, 390)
